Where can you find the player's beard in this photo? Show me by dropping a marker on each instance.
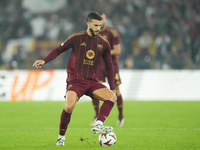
(92, 32)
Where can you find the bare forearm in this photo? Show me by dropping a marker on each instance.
(113, 52)
(116, 49)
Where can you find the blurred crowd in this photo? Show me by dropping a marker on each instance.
(154, 34)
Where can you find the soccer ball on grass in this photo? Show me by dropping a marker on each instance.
(107, 139)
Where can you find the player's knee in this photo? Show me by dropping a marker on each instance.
(69, 108)
(113, 98)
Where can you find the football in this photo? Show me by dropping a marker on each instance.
(107, 139)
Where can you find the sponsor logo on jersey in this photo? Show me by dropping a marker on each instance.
(90, 54)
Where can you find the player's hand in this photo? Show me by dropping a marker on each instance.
(39, 63)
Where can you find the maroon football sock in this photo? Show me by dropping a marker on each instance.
(120, 106)
(105, 110)
(64, 121)
(96, 106)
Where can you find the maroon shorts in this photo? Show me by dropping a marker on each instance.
(82, 87)
(101, 75)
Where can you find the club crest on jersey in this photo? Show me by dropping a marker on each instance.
(90, 54)
(100, 47)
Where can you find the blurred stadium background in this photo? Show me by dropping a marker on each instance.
(156, 35)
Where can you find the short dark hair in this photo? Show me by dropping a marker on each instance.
(93, 15)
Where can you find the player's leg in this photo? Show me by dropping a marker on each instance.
(70, 102)
(95, 103)
(109, 99)
(120, 121)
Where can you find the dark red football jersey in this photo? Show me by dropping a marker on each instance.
(112, 36)
(85, 56)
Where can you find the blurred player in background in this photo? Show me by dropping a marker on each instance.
(87, 49)
(113, 38)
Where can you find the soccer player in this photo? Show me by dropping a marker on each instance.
(87, 49)
(113, 37)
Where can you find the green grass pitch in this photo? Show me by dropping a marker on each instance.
(154, 125)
